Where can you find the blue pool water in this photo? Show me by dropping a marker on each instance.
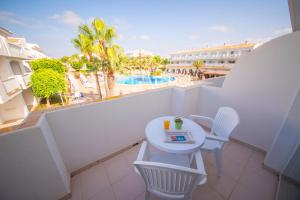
(135, 80)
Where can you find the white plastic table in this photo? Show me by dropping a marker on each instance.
(155, 134)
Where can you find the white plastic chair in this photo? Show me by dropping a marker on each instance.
(221, 126)
(170, 176)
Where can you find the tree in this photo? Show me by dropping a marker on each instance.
(157, 60)
(76, 65)
(47, 63)
(165, 61)
(198, 64)
(85, 43)
(64, 59)
(46, 83)
(102, 37)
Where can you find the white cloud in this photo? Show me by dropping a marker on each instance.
(145, 37)
(69, 18)
(194, 37)
(221, 28)
(10, 18)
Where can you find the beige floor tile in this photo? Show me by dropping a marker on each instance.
(262, 182)
(224, 184)
(129, 187)
(117, 167)
(241, 192)
(93, 180)
(205, 192)
(232, 168)
(131, 154)
(76, 188)
(259, 156)
(238, 153)
(104, 194)
(152, 197)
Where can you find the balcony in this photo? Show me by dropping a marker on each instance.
(26, 78)
(243, 176)
(15, 50)
(11, 85)
(87, 150)
(3, 50)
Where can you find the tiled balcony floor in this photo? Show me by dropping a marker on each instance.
(243, 178)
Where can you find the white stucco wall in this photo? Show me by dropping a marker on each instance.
(287, 139)
(87, 133)
(261, 87)
(29, 169)
(13, 109)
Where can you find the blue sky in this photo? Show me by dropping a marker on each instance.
(160, 26)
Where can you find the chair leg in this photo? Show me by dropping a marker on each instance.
(147, 195)
(218, 159)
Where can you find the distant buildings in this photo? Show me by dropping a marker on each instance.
(16, 98)
(220, 58)
(138, 53)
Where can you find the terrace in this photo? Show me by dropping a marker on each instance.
(86, 151)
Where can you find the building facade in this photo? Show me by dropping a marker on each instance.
(138, 53)
(218, 59)
(16, 97)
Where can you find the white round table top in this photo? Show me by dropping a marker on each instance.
(155, 134)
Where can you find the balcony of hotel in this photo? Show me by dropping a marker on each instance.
(11, 85)
(16, 51)
(86, 151)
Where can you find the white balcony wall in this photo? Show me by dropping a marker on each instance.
(15, 108)
(5, 69)
(3, 48)
(87, 133)
(26, 79)
(15, 50)
(261, 87)
(11, 84)
(31, 167)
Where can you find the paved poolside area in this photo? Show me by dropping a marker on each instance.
(243, 178)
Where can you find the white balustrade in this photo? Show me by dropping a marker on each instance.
(10, 85)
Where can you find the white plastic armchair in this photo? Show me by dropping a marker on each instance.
(221, 126)
(167, 180)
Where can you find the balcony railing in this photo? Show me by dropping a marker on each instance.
(3, 50)
(26, 79)
(11, 85)
(15, 50)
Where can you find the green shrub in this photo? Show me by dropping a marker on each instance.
(47, 82)
(47, 63)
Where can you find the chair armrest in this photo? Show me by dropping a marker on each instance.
(143, 152)
(208, 120)
(217, 138)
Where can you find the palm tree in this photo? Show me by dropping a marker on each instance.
(198, 64)
(84, 43)
(102, 36)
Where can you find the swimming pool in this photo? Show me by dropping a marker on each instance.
(135, 80)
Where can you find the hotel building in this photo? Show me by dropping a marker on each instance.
(16, 97)
(218, 58)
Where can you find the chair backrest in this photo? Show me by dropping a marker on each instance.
(225, 121)
(169, 181)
